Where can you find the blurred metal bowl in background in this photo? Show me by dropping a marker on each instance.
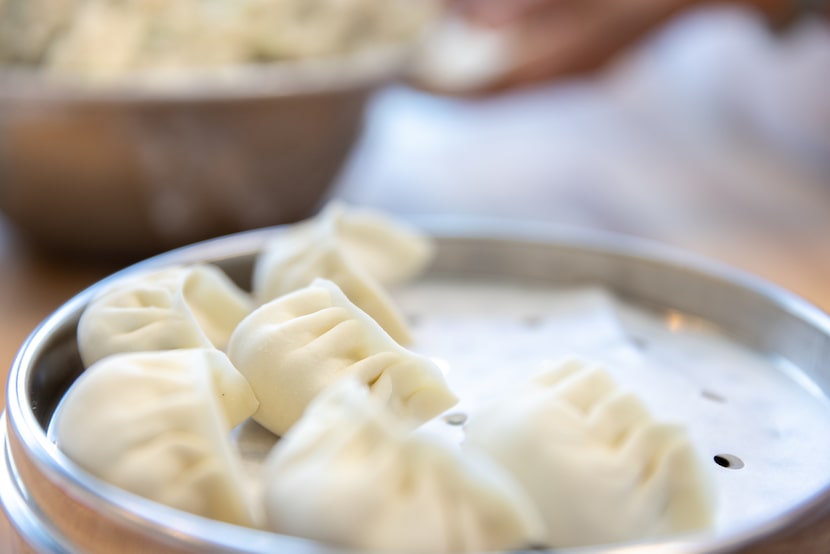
(134, 168)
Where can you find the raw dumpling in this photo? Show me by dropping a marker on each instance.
(350, 474)
(295, 346)
(598, 466)
(360, 250)
(178, 307)
(157, 424)
(388, 250)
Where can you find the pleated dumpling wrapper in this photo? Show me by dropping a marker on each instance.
(599, 467)
(158, 424)
(188, 306)
(361, 250)
(293, 347)
(350, 474)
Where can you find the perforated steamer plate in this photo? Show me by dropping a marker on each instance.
(741, 364)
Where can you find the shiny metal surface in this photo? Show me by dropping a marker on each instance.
(90, 516)
(30, 534)
(136, 168)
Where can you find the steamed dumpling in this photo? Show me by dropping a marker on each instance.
(157, 424)
(350, 474)
(178, 307)
(359, 249)
(598, 466)
(293, 347)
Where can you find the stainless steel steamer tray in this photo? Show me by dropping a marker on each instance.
(743, 364)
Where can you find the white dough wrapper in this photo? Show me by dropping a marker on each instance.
(189, 306)
(359, 249)
(158, 424)
(350, 474)
(293, 347)
(599, 467)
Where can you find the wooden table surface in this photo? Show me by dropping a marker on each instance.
(675, 160)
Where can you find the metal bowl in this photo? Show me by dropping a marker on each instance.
(55, 507)
(141, 166)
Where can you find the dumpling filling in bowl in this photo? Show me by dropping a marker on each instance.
(103, 40)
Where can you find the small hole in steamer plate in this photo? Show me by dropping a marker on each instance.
(456, 418)
(639, 342)
(713, 396)
(532, 321)
(729, 461)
